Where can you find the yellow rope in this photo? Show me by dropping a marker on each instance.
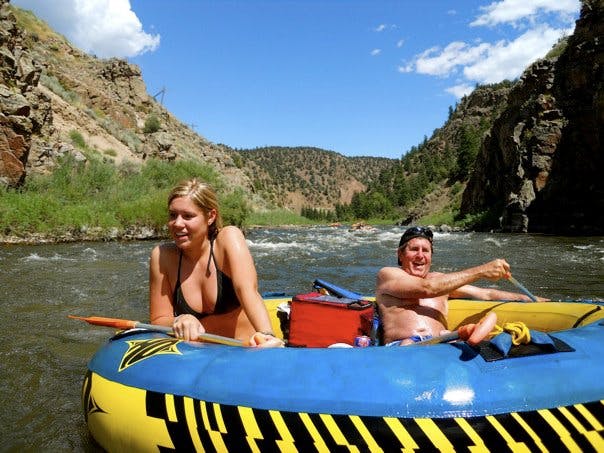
(518, 330)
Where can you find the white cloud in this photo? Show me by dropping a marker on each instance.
(409, 67)
(461, 90)
(383, 27)
(400, 43)
(105, 28)
(487, 63)
(511, 11)
(507, 60)
(443, 63)
(376, 52)
(544, 23)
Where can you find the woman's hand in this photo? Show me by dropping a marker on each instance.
(265, 340)
(187, 327)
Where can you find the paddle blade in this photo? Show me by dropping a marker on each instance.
(107, 322)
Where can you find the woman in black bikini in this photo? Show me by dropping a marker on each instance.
(205, 281)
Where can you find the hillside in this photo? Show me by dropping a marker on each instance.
(430, 178)
(308, 177)
(521, 156)
(60, 90)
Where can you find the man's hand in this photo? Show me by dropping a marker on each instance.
(496, 270)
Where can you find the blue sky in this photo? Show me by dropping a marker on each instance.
(359, 77)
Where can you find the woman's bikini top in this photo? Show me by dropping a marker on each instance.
(226, 299)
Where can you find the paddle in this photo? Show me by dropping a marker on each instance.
(521, 287)
(471, 333)
(128, 324)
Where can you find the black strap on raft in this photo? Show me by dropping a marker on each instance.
(586, 315)
(491, 354)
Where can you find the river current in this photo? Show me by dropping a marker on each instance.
(43, 354)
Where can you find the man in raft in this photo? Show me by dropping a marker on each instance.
(413, 302)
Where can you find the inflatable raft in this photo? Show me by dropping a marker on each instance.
(147, 391)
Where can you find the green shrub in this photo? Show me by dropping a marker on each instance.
(558, 48)
(77, 139)
(98, 194)
(55, 86)
(234, 208)
(151, 124)
(439, 218)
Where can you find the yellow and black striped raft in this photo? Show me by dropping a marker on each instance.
(147, 391)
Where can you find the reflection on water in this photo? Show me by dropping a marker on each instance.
(44, 354)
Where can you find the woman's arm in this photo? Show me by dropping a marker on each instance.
(239, 264)
(161, 311)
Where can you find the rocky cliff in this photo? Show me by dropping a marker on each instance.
(49, 89)
(24, 108)
(539, 168)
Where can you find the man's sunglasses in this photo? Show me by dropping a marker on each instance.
(416, 232)
(419, 231)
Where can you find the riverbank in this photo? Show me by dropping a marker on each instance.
(147, 233)
(107, 235)
(86, 235)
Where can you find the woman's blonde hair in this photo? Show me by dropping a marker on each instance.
(203, 195)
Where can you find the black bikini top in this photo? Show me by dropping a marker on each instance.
(226, 299)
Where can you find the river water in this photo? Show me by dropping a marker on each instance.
(43, 354)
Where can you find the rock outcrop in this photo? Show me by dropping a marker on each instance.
(572, 201)
(539, 167)
(50, 90)
(24, 109)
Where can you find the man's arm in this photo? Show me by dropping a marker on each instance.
(477, 293)
(474, 292)
(397, 283)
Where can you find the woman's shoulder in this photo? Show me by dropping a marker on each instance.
(165, 249)
(231, 242)
(230, 233)
(163, 257)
